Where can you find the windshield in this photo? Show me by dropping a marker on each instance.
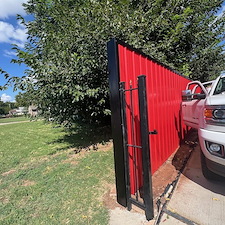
(220, 87)
(208, 85)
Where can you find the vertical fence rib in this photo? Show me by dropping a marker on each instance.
(147, 185)
(134, 149)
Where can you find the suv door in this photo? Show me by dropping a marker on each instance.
(192, 103)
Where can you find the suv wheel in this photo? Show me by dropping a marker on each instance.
(208, 174)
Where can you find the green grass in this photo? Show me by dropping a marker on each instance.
(13, 119)
(46, 179)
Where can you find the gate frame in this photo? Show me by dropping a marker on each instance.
(119, 134)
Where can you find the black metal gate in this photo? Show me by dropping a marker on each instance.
(143, 197)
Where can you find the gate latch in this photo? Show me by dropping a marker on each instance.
(153, 132)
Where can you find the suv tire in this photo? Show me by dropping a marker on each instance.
(208, 174)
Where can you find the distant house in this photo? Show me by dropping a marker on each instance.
(21, 111)
(12, 112)
(18, 112)
(33, 110)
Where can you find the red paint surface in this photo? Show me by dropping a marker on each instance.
(163, 98)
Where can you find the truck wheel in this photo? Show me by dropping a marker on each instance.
(208, 174)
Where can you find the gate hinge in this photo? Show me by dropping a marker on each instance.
(153, 132)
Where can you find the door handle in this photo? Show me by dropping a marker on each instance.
(153, 132)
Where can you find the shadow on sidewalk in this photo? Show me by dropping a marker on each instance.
(194, 173)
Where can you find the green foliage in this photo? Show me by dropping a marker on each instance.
(67, 55)
(24, 99)
(5, 107)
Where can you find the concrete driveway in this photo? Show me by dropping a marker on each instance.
(195, 199)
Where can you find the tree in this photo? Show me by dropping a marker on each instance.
(5, 107)
(24, 99)
(66, 49)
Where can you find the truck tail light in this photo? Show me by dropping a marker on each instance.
(215, 115)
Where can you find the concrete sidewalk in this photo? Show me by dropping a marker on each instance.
(26, 121)
(195, 199)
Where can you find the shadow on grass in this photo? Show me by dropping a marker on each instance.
(84, 136)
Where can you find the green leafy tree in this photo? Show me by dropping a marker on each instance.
(24, 99)
(66, 48)
(5, 107)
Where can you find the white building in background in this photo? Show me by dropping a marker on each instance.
(18, 112)
(21, 111)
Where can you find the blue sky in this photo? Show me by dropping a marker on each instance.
(11, 32)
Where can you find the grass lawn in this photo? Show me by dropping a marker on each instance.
(47, 178)
(13, 119)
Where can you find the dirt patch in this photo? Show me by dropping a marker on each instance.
(169, 171)
(8, 172)
(72, 159)
(27, 183)
(4, 200)
(164, 176)
(106, 146)
(76, 154)
(109, 199)
(99, 146)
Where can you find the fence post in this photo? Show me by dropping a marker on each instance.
(116, 121)
(147, 184)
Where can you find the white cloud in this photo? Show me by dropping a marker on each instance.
(13, 35)
(11, 8)
(6, 98)
(9, 53)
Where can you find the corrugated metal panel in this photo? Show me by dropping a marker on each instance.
(164, 88)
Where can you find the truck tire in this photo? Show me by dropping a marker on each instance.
(208, 174)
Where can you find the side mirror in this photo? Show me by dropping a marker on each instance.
(186, 95)
(199, 96)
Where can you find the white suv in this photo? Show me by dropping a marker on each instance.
(203, 108)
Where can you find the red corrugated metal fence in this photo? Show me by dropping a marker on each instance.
(164, 88)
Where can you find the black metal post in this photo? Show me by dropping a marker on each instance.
(116, 121)
(147, 184)
(125, 142)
